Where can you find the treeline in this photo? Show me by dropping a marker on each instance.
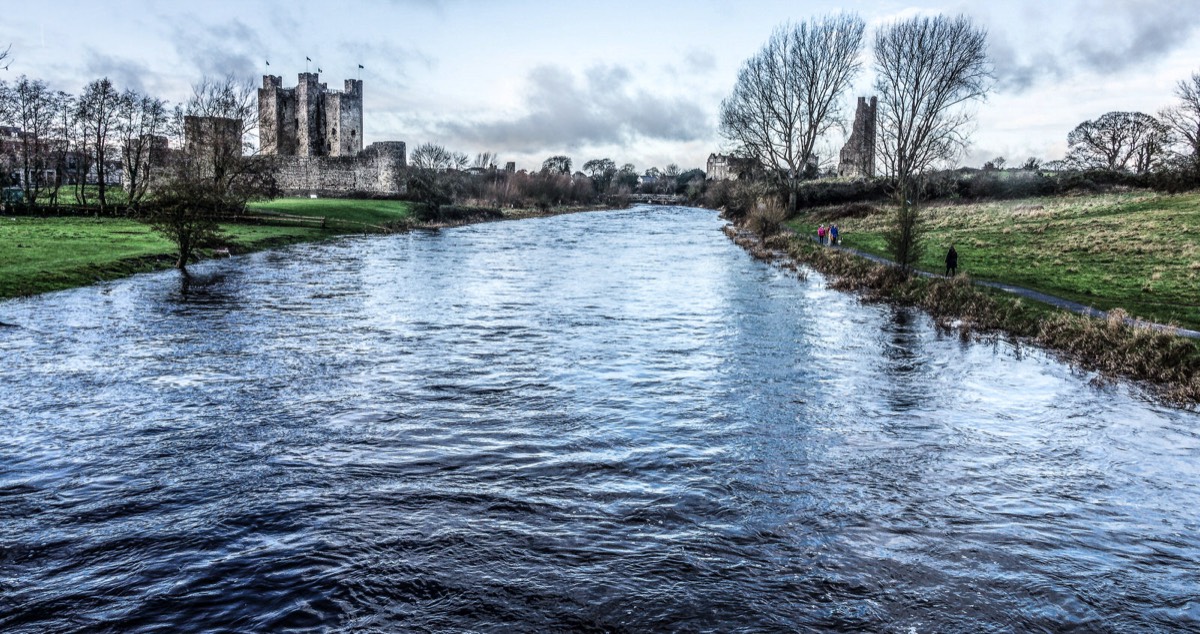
(439, 178)
(109, 149)
(79, 148)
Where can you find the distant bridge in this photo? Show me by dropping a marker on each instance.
(656, 199)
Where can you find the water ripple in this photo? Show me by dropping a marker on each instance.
(601, 422)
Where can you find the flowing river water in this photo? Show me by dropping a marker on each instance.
(612, 421)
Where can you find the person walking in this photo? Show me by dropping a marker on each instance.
(821, 234)
(833, 235)
(951, 262)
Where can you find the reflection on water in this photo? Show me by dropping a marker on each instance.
(608, 421)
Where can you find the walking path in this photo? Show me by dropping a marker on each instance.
(1028, 293)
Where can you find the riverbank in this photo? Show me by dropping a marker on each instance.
(40, 255)
(1137, 251)
(45, 254)
(1168, 366)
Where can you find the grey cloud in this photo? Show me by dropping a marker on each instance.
(700, 62)
(1110, 36)
(1137, 32)
(229, 48)
(124, 73)
(604, 108)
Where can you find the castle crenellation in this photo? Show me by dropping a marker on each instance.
(317, 135)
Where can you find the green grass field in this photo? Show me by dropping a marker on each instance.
(368, 212)
(38, 255)
(1137, 251)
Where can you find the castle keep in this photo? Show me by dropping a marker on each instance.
(858, 155)
(317, 136)
(310, 119)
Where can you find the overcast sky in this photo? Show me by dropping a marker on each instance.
(637, 82)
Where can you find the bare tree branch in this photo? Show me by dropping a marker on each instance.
(789, 95)
(1119, 141)
(926, 69)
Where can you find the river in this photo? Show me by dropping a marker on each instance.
(611, 421)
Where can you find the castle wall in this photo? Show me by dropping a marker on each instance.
(377, 171)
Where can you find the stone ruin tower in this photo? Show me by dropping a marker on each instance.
(310, 120)
(858, 155)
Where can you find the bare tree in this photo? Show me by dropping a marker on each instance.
(790, 94)
(485, 160)
(32, 107)
(433, 177)
(97, 110)
(63, 131)
(926, 68)
(601, 172)
(429, 156)
(1118, 141)
(217, 172)
(1183, 119)
(142, 122)
(557, 165)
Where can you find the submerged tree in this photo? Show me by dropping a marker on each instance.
(790, 94)
(213, 178)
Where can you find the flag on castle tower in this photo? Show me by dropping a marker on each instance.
(360, 67)
(268, 62)
(308, 59)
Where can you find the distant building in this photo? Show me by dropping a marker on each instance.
(726, 167)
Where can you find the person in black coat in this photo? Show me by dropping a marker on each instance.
(951, 262)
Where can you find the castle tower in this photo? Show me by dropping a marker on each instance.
(344, 120)
(310, 120)
(277, 122)
(858, 155)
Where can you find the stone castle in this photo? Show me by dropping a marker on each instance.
(725, 167)
(857, 159)
(317, 136)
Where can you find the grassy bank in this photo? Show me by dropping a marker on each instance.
(42, 254)
(38, 255)
(364, 212)
(1136, 251)
(1167, 365)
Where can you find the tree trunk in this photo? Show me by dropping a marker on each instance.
(185, 250)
